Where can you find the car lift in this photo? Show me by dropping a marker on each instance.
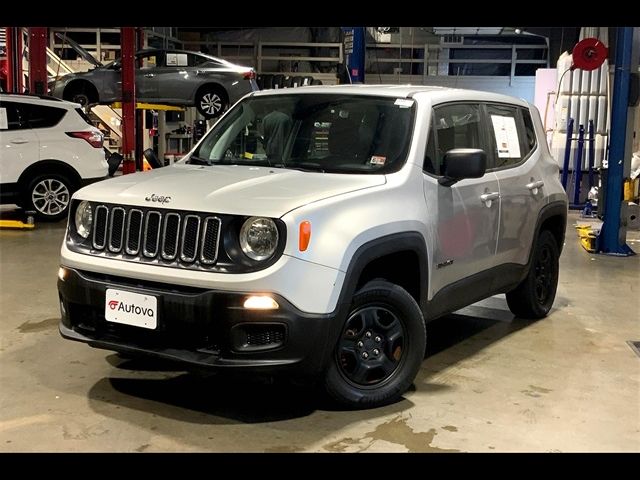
(27, 224)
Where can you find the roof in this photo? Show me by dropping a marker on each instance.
(39, 99)
(400, 91)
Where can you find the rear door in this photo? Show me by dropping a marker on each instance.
(516, 166)
(19, 145)
(467, 213)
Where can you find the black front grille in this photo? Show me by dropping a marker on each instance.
(264, 336)
(116, 229)
(134, 232)
(100, 227)
(188, 239)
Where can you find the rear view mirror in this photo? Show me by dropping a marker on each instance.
(462, 163)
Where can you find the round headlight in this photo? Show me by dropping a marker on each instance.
(259, 238)
(84, 219)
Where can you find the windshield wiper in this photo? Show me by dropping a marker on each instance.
(193, 160)
(303, 167)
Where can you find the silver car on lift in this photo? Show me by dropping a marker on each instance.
(170, 77)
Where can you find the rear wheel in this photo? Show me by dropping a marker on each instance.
(534, 297)
(83, 93)
(380, 349)
(211, 102)
(49, 196)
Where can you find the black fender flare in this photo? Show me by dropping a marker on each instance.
(396, 242)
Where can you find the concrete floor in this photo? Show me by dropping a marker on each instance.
(488, 383)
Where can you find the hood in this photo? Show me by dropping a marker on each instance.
(80, 50)
(226, 189)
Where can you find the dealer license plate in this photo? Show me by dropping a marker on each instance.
(131, 308)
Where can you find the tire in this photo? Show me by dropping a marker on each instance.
(534, 296)
(49, 195)
(82, 93)
(211, 102)
(385, 324)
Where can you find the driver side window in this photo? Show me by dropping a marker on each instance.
(454, 126)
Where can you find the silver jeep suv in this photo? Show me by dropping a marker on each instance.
(316, 231)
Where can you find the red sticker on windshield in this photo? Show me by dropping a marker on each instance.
(377, 160)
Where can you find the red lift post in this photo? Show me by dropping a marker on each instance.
(38, 60)
(139, 113)
(14, 60)
(128, 72)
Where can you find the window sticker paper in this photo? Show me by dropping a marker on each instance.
(506, 133)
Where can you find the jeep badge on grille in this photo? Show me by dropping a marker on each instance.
(158, 198)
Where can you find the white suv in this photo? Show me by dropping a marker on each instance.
(49, 149)
(316, 231)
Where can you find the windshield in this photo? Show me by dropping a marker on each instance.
(318, 132)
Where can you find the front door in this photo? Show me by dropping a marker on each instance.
(148, 77)
(467, 213)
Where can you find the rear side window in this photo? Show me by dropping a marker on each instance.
(40, 116)
(456, 126)
(15, 118)
(509, 145)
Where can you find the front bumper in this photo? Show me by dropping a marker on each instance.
(199, 327)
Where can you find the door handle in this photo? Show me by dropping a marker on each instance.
(149, 75)
(487, 197)
(19, 141)
(535, 185)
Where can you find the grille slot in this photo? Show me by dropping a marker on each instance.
(210, 240)
(134, 231)
(116, 229)
(170, 236)
(190, 238)
(100, 229)
(152, 234)
(185, 239)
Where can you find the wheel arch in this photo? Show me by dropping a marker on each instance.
(210, 85)
(79, 84)
(49, 166)
(396, 251)
(552, 217)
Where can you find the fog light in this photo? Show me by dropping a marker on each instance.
(62, 272)
(261, 302)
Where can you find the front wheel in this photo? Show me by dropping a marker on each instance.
(49, 195)
(533, 298)
(380, 349)
(211, 102)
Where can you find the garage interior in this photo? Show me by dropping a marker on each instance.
(490, 382)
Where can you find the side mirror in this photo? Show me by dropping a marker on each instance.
(462, 163)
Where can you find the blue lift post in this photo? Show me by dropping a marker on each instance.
(612, 238)
(577, 169)
(592, 154)
(567, 154)
(354, 50)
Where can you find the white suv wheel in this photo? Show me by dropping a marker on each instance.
(49, 196)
